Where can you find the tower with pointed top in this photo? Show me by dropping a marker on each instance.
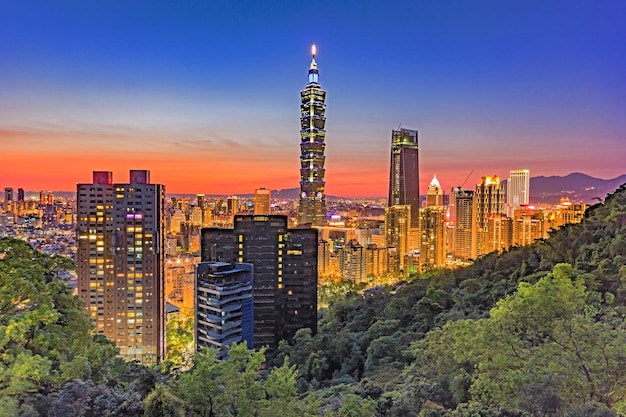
(434, 194)
(312, 207)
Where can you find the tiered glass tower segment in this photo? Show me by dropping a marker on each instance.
(312, 208)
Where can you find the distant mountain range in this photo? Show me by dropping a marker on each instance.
(577, 186)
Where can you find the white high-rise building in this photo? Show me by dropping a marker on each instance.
(517, 189)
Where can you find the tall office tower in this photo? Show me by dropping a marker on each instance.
(432, 229)
(262, 197)
(176, 221)
(434, 194)
(120, 234)
(517, 190)
(201, 198)
(202, 204)
(42, 198)
(20, 194)
(232, 205)
(285, 272)
(312, 206)
(404, 177)
(462, 214)
(195, 216)
(224, 312)
(397, 231)
(489, 198)
(8, 194)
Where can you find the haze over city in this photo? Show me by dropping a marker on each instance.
(206, 94)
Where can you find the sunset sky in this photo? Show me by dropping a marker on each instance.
(205, 94)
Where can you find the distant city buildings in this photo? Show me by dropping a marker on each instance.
(262, 198)
(432, 230)
(312, 205)
(517, 190)
(488, 200)
(120, 233)
(434, 193)
(397, 233)
(462, 219)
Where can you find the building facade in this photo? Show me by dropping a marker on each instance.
(285, 272)
(432, 229)
(462, 215)
(120, 234)
(262, 197)
(224, 305)
(488, 199)
(404, 172)
(517, 190)
(397, 234)
(434, 193)
(312, 205)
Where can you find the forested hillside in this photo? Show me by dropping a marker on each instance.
(489, 338)
(538, 330)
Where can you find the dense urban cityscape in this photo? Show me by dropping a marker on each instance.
(478, 297)
(142, 256)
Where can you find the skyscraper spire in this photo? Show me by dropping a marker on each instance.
(313, 72)
(312, 207)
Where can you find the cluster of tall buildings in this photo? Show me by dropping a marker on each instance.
(255, 281)
(255, 278)
(45, 209)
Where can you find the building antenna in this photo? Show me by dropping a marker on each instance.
(400, 125)
(468, 177)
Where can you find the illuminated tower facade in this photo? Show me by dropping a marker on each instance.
(404, 175)
(312, 207)
(262, 197)
(517, 190)
(488, 199)
(432, 229)
(462, 217)
(120, 259)
(434, 194)
(397, 233)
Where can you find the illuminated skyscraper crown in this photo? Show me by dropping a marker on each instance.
(312, 207)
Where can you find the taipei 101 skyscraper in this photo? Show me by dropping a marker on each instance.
(312, 207)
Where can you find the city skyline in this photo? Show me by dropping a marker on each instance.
(205, 95)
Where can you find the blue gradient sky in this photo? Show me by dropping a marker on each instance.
(205, 94)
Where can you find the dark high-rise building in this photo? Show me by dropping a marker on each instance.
(404, 178)
(20, 194)
(224, 309)
(120, 234)
(285, 272)
(312, 207)
(8, 194)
